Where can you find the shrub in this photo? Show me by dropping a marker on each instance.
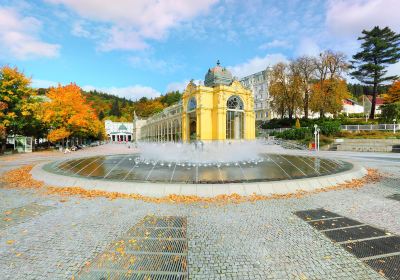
(391, 111)
(295, 134)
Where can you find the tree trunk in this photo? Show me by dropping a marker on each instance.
(321, 114)
(306, 100)
(373, 102)
(3, 146)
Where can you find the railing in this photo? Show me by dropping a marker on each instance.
(268, 131)
(365, 127)
(353, 127)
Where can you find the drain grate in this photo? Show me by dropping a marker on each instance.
(395, 196)
(374, 247)
(377, 248)
(334, 223)
(155, 248)
(113, 275)
(18, 215)
(347, 234)
(388, 267)
(316, 214)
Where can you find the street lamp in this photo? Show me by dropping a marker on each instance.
(394, 125)
(316, 136)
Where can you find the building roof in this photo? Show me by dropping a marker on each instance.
(379, 100)
(122, 127)
(218, 75)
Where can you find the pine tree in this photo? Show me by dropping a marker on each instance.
(115, 110)
(101, 115)
(380, 48)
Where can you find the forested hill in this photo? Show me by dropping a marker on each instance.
(358, 90)
(116, 108)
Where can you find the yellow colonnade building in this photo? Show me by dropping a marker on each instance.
(220, 110)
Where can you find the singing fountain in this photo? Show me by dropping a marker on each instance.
(205, 145)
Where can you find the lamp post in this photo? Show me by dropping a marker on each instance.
(316, 137)
(394, 125)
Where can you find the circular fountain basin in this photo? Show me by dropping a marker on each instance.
(269, 174)
(131, 168)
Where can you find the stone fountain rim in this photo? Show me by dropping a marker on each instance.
(201, 190)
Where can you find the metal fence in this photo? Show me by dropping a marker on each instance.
(366, 127)
(356, 127)
(269, 131)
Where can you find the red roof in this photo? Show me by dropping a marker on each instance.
(379, 100)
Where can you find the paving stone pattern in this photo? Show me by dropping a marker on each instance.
(261, 240)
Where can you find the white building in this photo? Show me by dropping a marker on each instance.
(258, 84)
(137, 128)
(119, 131)
(351, 107)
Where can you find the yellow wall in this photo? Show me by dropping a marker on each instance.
(211, 110)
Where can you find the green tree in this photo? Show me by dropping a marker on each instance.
(380, 48)
(101, 115)
(115, 110)
(15, 102)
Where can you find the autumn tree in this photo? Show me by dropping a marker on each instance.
(330, 87)
(284, 89)
(305, 67)
(15, 102)
(379, 49)
(328, 96)
(393, 93)
(70, 115)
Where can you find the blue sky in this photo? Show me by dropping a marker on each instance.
(137, 48)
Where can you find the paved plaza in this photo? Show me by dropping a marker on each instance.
(59, 236)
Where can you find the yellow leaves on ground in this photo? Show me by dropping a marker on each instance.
(21, 178)
(10, 242)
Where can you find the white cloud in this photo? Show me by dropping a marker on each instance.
(349, 18)
(19, 36)
(37, 83)
(256, 64)
(131, 92)
(149, 63)
(275, 44)
(308, 46)
(130, 23)
(181, 86)
(79, 30)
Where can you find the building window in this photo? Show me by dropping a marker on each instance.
(234, 118)
(192, 104)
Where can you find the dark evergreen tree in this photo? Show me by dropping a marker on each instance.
(380, 48)
(115, 110)
(101, 115)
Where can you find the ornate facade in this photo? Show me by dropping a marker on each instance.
(258, 84)
(220, 110)
(118, 131)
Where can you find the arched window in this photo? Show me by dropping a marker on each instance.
(192, 104)
(234, 103)
(234, 118)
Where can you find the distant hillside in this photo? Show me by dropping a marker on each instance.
(116, 108)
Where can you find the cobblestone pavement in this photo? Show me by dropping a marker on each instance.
(262, 240)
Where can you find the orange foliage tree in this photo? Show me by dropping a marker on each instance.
(327, 96)
(70, 115)
(393, 94)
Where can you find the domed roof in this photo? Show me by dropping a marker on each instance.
(218, 75)
(122, 127)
